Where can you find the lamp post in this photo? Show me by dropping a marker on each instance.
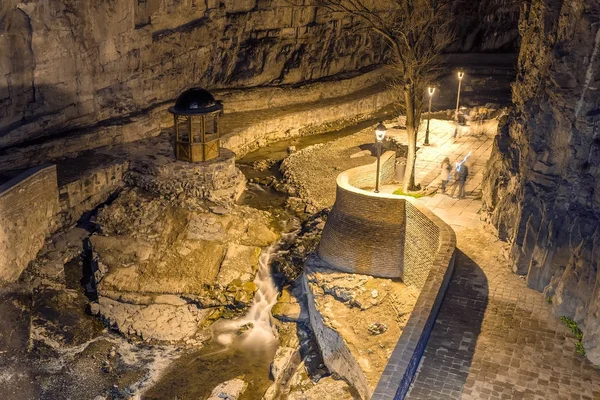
(380, 132)
(461, 75)
(431, 91)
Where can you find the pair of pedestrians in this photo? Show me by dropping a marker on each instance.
(459, 174)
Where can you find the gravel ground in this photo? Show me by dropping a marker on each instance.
(314, 169)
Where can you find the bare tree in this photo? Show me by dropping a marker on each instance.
(416, 32)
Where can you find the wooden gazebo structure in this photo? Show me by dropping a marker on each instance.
(197, 136)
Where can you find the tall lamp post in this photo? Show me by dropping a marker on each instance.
(461, 75)
(431, 91)
(380, 132)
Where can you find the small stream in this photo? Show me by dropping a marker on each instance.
(242, 347)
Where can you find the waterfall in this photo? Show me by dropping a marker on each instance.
(257, 326)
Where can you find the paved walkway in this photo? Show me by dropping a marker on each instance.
(476, 141)
(494, 338)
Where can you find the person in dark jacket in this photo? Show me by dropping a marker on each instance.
(461, 172)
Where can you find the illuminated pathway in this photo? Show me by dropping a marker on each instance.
(494, 338)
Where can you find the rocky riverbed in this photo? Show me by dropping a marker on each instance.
(158, 296)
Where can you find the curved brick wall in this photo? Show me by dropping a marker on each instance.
(365, 231)
(389, 236)
(376, 233)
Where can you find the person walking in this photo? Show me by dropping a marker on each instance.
(460, 175)
(446, 173)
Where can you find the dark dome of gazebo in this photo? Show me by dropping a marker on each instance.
(196, 101)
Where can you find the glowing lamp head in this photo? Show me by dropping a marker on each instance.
(431, 90)
(461, 74)
(380, 132)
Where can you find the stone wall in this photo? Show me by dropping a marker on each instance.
(311, 118)
(218, 180)
(89, 190)
(541, 186)
(28, 206)
(365, 231)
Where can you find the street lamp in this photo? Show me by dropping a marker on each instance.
(431, 91)
(461, 75)
(380, 132)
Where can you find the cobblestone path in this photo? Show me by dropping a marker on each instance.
(497, 339)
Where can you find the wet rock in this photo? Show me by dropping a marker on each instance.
(285, 361)
(58, 318)
(240, 262)
(229, 390)
(288, 308)
(154, 322)
(263, 165)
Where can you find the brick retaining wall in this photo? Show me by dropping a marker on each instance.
(389, 236)
(404, 361)
(365, 231)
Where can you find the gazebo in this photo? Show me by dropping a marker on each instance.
(196, 114)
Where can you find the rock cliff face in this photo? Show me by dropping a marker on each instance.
(542, 185)
(486, 26)
(69, 65)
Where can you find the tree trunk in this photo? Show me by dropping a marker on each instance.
(411, 132)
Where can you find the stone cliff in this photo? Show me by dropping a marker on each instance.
(70, 65)
(67, 65)
(542, 185)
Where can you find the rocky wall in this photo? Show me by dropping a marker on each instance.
(69, 64)
(28, 205)
(485, 26)
(542, 182)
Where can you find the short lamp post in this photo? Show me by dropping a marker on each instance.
(431, 91)
(380, 132)
(461, 75)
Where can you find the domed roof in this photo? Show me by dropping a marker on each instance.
(196, 101)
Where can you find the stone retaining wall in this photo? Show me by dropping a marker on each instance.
(89, 190)
(307, 119)
(28, 206)
(218, 180)
(389, 236)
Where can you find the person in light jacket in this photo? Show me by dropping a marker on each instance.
(446, 172)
